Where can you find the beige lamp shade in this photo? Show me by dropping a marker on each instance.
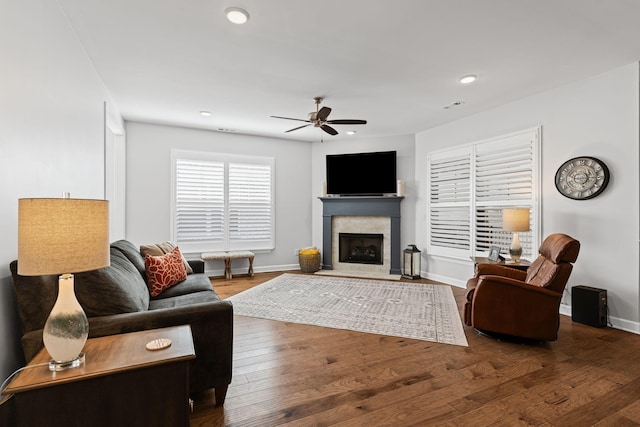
(58, 236)
(516, 219)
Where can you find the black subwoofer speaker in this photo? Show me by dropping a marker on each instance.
(589, 306)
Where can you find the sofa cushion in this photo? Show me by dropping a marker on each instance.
(158, 249)
(164, 271)
(184, 300)
(116, 289)
(192, 284)
(132, 253)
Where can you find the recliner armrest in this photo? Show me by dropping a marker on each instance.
(501, 284)
(500, 270)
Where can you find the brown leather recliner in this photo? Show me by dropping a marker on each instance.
(525, 304)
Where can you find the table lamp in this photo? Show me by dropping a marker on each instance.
(61, 236)
(515, 220)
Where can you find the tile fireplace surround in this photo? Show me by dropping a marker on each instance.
(363, 214)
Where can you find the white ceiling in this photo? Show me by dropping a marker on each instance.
(393, 63)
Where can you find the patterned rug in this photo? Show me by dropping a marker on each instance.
(401, 309)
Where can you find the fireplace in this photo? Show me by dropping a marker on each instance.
(360, 248)
(362, 215)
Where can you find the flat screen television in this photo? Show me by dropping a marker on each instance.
(361, 174)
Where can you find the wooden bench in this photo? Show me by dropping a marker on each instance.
(227, 257)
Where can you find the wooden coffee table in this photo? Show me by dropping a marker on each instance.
(121, 383)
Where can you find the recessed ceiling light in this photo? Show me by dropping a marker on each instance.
(351, 132)
(236, 15)
(205, 113)
(465, 80)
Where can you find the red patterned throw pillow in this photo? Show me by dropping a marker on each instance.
(164, 271)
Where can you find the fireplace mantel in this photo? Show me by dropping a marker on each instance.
(361, 206)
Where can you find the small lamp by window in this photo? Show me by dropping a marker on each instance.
(63, 236)
(411, 263)
(515, 220)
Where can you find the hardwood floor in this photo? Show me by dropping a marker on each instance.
(299, 375)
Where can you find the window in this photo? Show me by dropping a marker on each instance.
(470, 185)
(222, 202)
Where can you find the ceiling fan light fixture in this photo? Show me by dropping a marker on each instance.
(320, 119)
(236, 15)
(469, 78)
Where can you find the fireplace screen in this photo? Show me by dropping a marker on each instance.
(360, 248)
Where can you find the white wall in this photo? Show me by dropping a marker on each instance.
(596, 117)
(404, 147)
(149, 174)
(51, 131)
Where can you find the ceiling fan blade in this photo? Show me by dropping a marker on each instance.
(347, 122)
(323, 113)
(289, 118)
(329, 130)
(299, 127)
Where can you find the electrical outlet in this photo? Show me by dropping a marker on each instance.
(296, 252)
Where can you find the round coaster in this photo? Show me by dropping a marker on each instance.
(158, 344)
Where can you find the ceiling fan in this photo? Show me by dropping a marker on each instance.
(319, 119)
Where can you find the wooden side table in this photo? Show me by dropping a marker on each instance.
(120, 383)
(522, 265)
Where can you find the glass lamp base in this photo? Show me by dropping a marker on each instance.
(515, 251)
(515, 255)
(56, 366)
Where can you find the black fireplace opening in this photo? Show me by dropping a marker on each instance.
(360, 248)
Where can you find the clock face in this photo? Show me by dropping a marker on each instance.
(582, 178)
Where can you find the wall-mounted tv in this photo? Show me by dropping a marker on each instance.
(361, 174)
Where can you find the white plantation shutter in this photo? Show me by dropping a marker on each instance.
(450, 201)
(470, 185)
(250, 203)
(504, 179)
(199, 205)
(222, 202)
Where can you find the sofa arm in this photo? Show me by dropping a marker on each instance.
(215, 311)
(211, 327)
(32, 343)
(197, 265)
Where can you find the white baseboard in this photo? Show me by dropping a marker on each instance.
(261, 269)
(444, 279)
(614, 322)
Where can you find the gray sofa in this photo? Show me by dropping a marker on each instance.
(116, 300)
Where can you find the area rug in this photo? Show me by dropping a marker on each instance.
(401, 309)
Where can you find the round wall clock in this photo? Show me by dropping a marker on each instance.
(582, 178)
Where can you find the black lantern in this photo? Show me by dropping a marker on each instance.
(411, 263)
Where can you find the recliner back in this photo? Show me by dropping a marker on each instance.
(553, 267)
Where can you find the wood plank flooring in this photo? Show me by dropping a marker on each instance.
(300, 375)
